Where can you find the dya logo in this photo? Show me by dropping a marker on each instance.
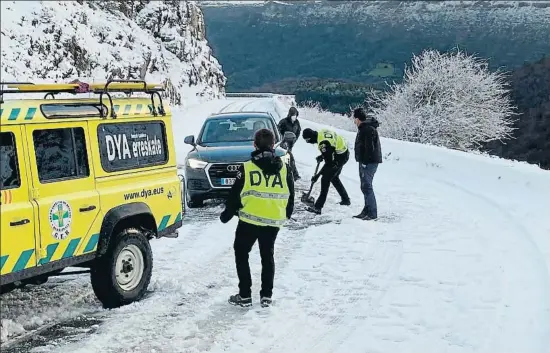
(60, 219)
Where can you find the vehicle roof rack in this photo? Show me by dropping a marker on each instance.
(75, 87)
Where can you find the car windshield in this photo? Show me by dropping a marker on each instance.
(234, 129)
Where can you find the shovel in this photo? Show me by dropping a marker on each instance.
(306, 198)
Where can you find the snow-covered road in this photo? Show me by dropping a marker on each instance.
(459, 262)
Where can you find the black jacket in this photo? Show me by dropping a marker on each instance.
(367, 143)
(270, 164)
(287, 124)
(333, 161)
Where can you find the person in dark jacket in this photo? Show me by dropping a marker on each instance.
(368, 154)
(291, 123)
(263, 198)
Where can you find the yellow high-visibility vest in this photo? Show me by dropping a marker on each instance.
(264, 198)
(333, 139)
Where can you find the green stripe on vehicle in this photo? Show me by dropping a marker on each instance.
(163, 223)
(23, 260)
(3, 260)
(178, 218)
(71, 248)
(14, 113)
(92, 243)
(50, 250)
(30, 113)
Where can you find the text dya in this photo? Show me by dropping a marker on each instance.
(118, 147)
(256, 179)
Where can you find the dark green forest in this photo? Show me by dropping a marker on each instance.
(531, 94)
(268, 44)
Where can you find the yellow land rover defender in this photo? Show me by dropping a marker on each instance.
(86, 182)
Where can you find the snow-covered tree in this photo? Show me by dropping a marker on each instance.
(446, 99)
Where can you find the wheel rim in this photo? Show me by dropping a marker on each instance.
(129, 267)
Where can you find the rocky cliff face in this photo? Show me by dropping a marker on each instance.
(159, 41)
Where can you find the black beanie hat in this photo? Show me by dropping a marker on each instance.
(308, 134)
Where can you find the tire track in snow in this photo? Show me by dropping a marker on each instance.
(223, 317)
(522, 234)
(345, 305)
(72, 311)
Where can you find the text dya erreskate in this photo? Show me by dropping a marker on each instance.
(118, 146)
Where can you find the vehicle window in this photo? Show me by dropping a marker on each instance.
(234, 129)
(126, 146)
(9, 171)
(61, 154)
(68, 110)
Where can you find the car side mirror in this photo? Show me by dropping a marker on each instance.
(289, 137)
(190, 140)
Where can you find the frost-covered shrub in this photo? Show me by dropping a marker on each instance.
(446, 99)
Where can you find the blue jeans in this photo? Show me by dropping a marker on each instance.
(366, 174)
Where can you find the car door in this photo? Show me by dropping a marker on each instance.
(63, 187)
(17, 221)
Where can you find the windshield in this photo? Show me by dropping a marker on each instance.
(234, 129)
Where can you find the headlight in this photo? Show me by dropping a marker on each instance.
(196, 163)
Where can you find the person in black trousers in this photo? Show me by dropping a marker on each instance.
(263, 198)
(335, 154)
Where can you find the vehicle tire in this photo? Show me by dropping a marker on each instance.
(122, 275)
(193, 202)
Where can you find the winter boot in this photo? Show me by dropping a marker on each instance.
(345, 202)
(361, 215)
(313, 209)
(368, 218)
(237, 300)
(265, 302)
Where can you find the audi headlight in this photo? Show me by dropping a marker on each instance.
(196, 163)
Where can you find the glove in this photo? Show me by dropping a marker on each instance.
(225, 217)
(319, 158)
(315, 178)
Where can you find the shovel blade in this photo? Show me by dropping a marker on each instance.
(310, 200)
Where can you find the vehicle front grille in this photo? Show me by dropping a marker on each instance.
(219, 171)
(198, 184)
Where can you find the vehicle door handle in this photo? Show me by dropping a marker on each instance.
(86, 209)
(19, 223)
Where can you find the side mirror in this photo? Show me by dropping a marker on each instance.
(190, 140)
(289, 137)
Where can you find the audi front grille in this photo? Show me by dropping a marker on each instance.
(218, 171)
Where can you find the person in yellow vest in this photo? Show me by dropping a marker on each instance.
(334, 151)
(263, 198)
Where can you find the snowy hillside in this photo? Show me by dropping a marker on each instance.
(459, 262)
(161, 41)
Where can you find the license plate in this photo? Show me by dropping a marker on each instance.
(228, 181)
